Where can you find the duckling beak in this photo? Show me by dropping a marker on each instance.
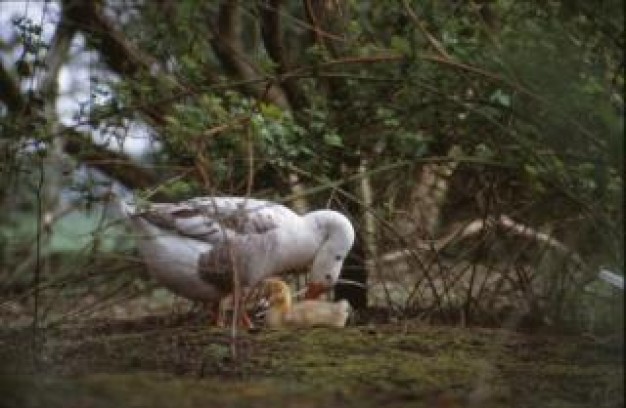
(314, 290)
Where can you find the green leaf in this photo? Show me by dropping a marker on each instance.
(500, 97)
(271, 111)
(333, 139)
(400, 44)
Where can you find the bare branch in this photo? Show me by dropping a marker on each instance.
(314, 22)
(271, 30)
(317, 13)
(56, 56)
(115, 165)
(515, 229)
(422, 27)
(370, 230)
(10, 94)
(229, 49)
(119, 53)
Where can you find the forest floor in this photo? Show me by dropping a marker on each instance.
(182, 363)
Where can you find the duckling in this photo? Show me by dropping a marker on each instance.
(283, 312)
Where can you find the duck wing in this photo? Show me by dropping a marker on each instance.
(239, 232)
(245, 237)
(214, 219)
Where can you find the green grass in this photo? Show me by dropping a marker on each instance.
(391, 366)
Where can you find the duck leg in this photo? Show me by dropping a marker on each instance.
(243, 318)
(245, 322)
(218, 316)
(215, 314)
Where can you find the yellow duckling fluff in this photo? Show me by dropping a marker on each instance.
(283, 312)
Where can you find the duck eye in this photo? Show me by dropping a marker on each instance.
(338, 257)
(328, 277)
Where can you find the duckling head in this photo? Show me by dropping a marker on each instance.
(278, 294)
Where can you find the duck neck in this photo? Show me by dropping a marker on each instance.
(297, 246)
(330, 225)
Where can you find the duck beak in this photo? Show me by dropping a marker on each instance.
(315, 290)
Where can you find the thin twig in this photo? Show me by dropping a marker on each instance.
(250, 148)
(421, 26)
(37, 276)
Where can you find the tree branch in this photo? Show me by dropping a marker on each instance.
(319, 19)
(56, 56)
(115, 165)
(116, 50)
(10, 94)
(119, 54)
(271, 30)
(229, 49)
(422, 28)
(314, 23)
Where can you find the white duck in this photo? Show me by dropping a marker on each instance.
(194, 247)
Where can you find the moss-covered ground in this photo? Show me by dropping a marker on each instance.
(150, 363)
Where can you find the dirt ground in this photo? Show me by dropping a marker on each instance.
(181, 362)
